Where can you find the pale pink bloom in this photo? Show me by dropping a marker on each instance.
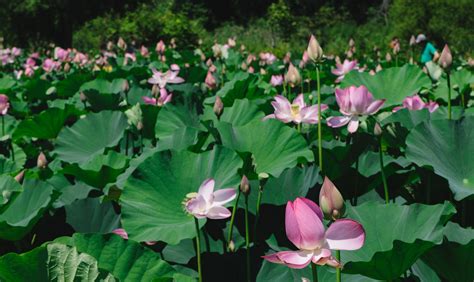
(80, 59)
(31, 62)
(276, 80)
(4, 104)
(29, 71)
(267, 58)
(144, 51)
(161, 79)
(61, 54)
(414, 103)
(445, 59)
(122, 233)
(251, 69)
(250, 59)
(160, 47)
(163, 99)
(231, 42)
(210, 204)
(343, 69)
(35, 55)
(210, 81)
(305, 229)
(16, 51)
(175, 68)
(354, 102)
(50, 65)
(129, 56)
(297, 112)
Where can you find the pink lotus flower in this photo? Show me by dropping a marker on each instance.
(276, 80)
(61, 54)
(267, 58)
(50, 65)
(160, 47)
(80, 59)
(354, 102)
(163, 99)
(161, 79)
(30, 62)
(122, 233)
(210, 204)
(16, 51)
(144, 51)
(210, 81)
(414, 103)
(4, 104)
(297, 112)
(305, 229)
(343, 69)
(129, 56)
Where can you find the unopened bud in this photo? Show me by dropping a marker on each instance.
(245, 185)
(231, 246)
(377, 129)
(331, 201)
(314, 50)
(125, 86)
(155, 90)
(446, 59)
(19, 177)
(41, 162)
(218, 106)
(67, 67)
(292, 77)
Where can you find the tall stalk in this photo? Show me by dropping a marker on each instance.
(198, 249)
(314, 271)
(338, 270)
(320, 141)
(382, 172)
(247, 237)
(449, 94)
(234, 210)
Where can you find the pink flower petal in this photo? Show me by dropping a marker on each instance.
(121, 232)
(295, 259)
(206, 189)
(299, 100)
(375, 106)
(353, 124)
(359, 99)
(273, 258)
(312, 205)
(321, 255)
(223, 196)
(338, 121)
(218, 212)
(345, 234)
(309, 233)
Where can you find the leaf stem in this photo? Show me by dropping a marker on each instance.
(198, 248)
(384, 179)
(314, 271)
(234, 210)
(247, 237)
(338, 270)
(257, 212)
(3, 125)
(320, 141)
(449, 94)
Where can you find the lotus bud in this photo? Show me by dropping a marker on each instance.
(121, 44)
(243, 66)
(251, 69)
(292, 77)
(125, 86)
(160, 47)
(263, 72)
(218, 106)
(209, 62)
(210, 81)
(377, 129)
(110, 45)
(351, 42)
(83, 97)
(4, 104)
(388, 57)
(67, 67)
(287, 58)
(412, 40)
(242, 48)
(245, 185)
(155, 90)
(446, 59)
(41, 162)
(314, 50)
(19, 177)
(331, 201)
(231, 246)
(378, 68)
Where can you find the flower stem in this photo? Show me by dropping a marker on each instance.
(384, 180)
(3, 125)
(320, 141)
(449, 94)
(257, 212)
(247, 237)
(234, 210)
(198, 249)
(338, 270)
(315, 272)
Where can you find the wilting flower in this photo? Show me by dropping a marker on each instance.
(210, 81)
(414, 103)
(343, 69)
(210, 204)
(314, 50)
(122, 233)
(163, 99)
(292, 76)
(161, 79)
(4, 104)
(305, 229)
(297, 112)
(445, 59)
(354, 102)
(276, 80)
(331, 201)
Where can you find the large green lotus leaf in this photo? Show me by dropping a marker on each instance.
(52, 262)
(104, 86)
(369, 162)
(8, 186)
(89, 137)
(46, 125)
(274, 145)
(460, 80)
(126, 260)
(241, 112)
(152, 199)
(396, 236)
(447, 146)
(235, 88)
(102, 101)
(91, 216)
(392, 84)
(6, 82)
(8, 166)
(281, 273)
(36, 89)
(69, 86)
(424, 272)
(407, 118)
(68, 192)
(100, 170)
(453, 260)
(177, 127)
(19, 216)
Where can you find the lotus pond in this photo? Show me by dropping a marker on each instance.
(215, 164)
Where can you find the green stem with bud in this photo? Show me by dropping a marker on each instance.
(247, 237)
(234, 210)
(320, 141)
(198, 249)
